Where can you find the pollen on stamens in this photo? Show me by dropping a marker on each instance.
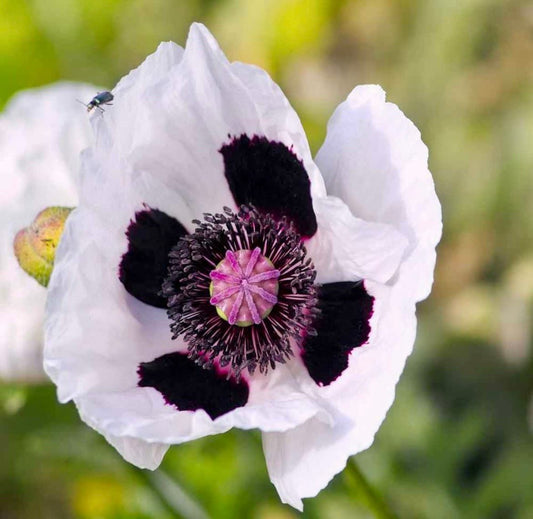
(240, 291)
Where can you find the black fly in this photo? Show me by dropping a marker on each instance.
(102, 98)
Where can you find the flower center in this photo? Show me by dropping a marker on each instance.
(240, 291)
(244, 287)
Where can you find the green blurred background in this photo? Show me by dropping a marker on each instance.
(457, 442)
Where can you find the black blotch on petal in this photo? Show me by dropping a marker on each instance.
(343, 324)
(189, 387)
(151, 236)
(269, 176)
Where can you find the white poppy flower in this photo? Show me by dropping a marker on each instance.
(42, 132)
(288, 307)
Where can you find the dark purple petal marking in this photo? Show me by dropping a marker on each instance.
(189, 387)
(343, 324)
(269, 176)
(151, 236)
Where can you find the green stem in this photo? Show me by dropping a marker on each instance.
(371, 497)
(171, 496)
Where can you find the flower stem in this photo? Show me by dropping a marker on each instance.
(171, 496)
(373, 500)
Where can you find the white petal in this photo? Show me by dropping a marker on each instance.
(374, 159)
(138, 452)
(294, 471)
(272, 107)
(361, 396)
(142, 412)
(173, 114)
(42, 132)
(346, 248)
(87, 306)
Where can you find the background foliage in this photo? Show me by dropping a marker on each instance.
(457, 442)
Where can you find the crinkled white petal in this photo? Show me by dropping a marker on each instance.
(361, 396)
(272, 107)
(158, 144)
(347, 248)
(138, 452)
(143, 413)
(374, 159)
(42, 132)
(171, 116)
(294, 473)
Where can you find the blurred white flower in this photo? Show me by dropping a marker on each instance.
(42, 132)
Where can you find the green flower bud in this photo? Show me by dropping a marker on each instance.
(35, 246)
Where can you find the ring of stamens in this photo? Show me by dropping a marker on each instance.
(240, 291)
